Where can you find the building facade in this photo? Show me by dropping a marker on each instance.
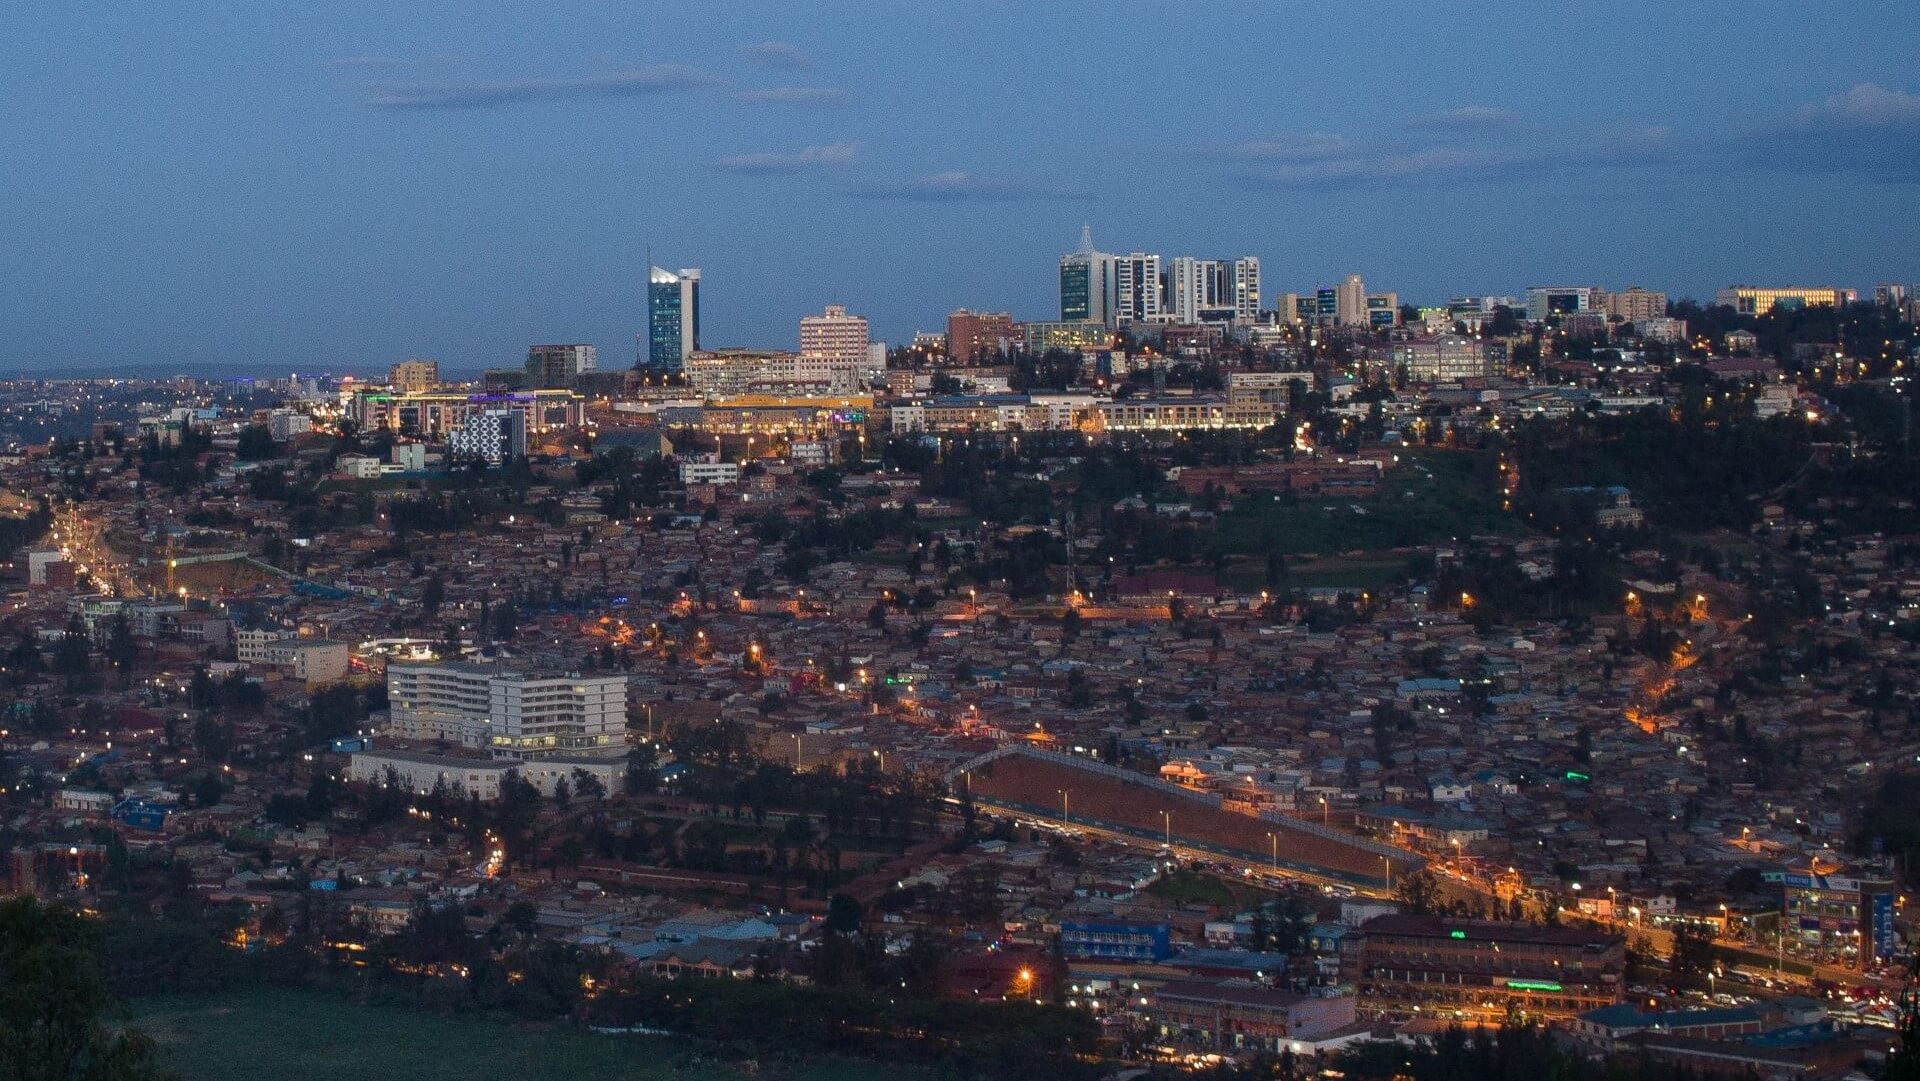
(975, 335)
(833, 350)
(560, 365)
(508, 713)
(1759, 300)
(1480, 968)
(673, 317)
(414, 374)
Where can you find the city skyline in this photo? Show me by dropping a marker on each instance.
(345, 189)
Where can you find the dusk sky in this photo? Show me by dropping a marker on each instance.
(338, 185)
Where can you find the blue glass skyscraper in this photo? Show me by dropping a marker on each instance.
(673, 317)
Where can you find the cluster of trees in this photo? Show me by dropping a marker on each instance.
(58, 1012)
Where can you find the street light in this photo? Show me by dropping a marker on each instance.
(1275, 839)
(1064, 820)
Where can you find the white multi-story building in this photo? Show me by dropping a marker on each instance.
(284, 424)
(709, 472)
(358, 466)
(1214, 291)
(508, 713)
(833, 350)
(1137, 289)
(1246, 290)
(481, 777)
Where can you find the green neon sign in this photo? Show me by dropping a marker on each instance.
(1532, 985)
(1456, 934)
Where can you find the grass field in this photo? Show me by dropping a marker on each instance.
(1191, 887)
(1432, 495)
(314, 1036)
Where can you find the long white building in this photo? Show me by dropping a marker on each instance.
(507, 713)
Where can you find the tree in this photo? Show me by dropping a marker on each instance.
(256, 444)
(54, 1000)
(843, 915)
(122, 649)
(1418, 891)
(432, 595)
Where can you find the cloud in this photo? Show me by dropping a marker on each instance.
(367, 63)
(958, 186)
(1868, 132)
(1302, 146)
(1458, 162)
(1864, 106)
(1466, 118)
(775, 162)
(792, 95)
(778, 54)
(491, 95)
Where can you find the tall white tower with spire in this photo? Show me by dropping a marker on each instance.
(1088, 283)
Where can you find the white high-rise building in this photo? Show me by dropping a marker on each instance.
(509, 714)
(1137, 289)
(833, 349)
(1214, 291)
(1246, 290)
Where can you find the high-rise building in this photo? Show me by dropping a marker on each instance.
(414, 374)
(1890, 295)
(1636, 305)
(975, 336)
(1138, 292)
(673, 317)
(559, 365)
(1350, 302)
(833, 349)
(1246, 290)
(511, 714)
(1759, 300)
(1087, 283)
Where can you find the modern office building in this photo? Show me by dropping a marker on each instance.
(1445, 359)
(1214, 290)
(1138, 290)
(1088, 283)
(974, 336)
(1549, 301)
(508, 713)
(1383, 310)
(559, 365)
(1072, 335)
(1759, 300)
(414, 374)
(833, 350)
(1350, 302)
(493, 436)
(673, 317)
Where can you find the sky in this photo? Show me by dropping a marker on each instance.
(336, 186)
